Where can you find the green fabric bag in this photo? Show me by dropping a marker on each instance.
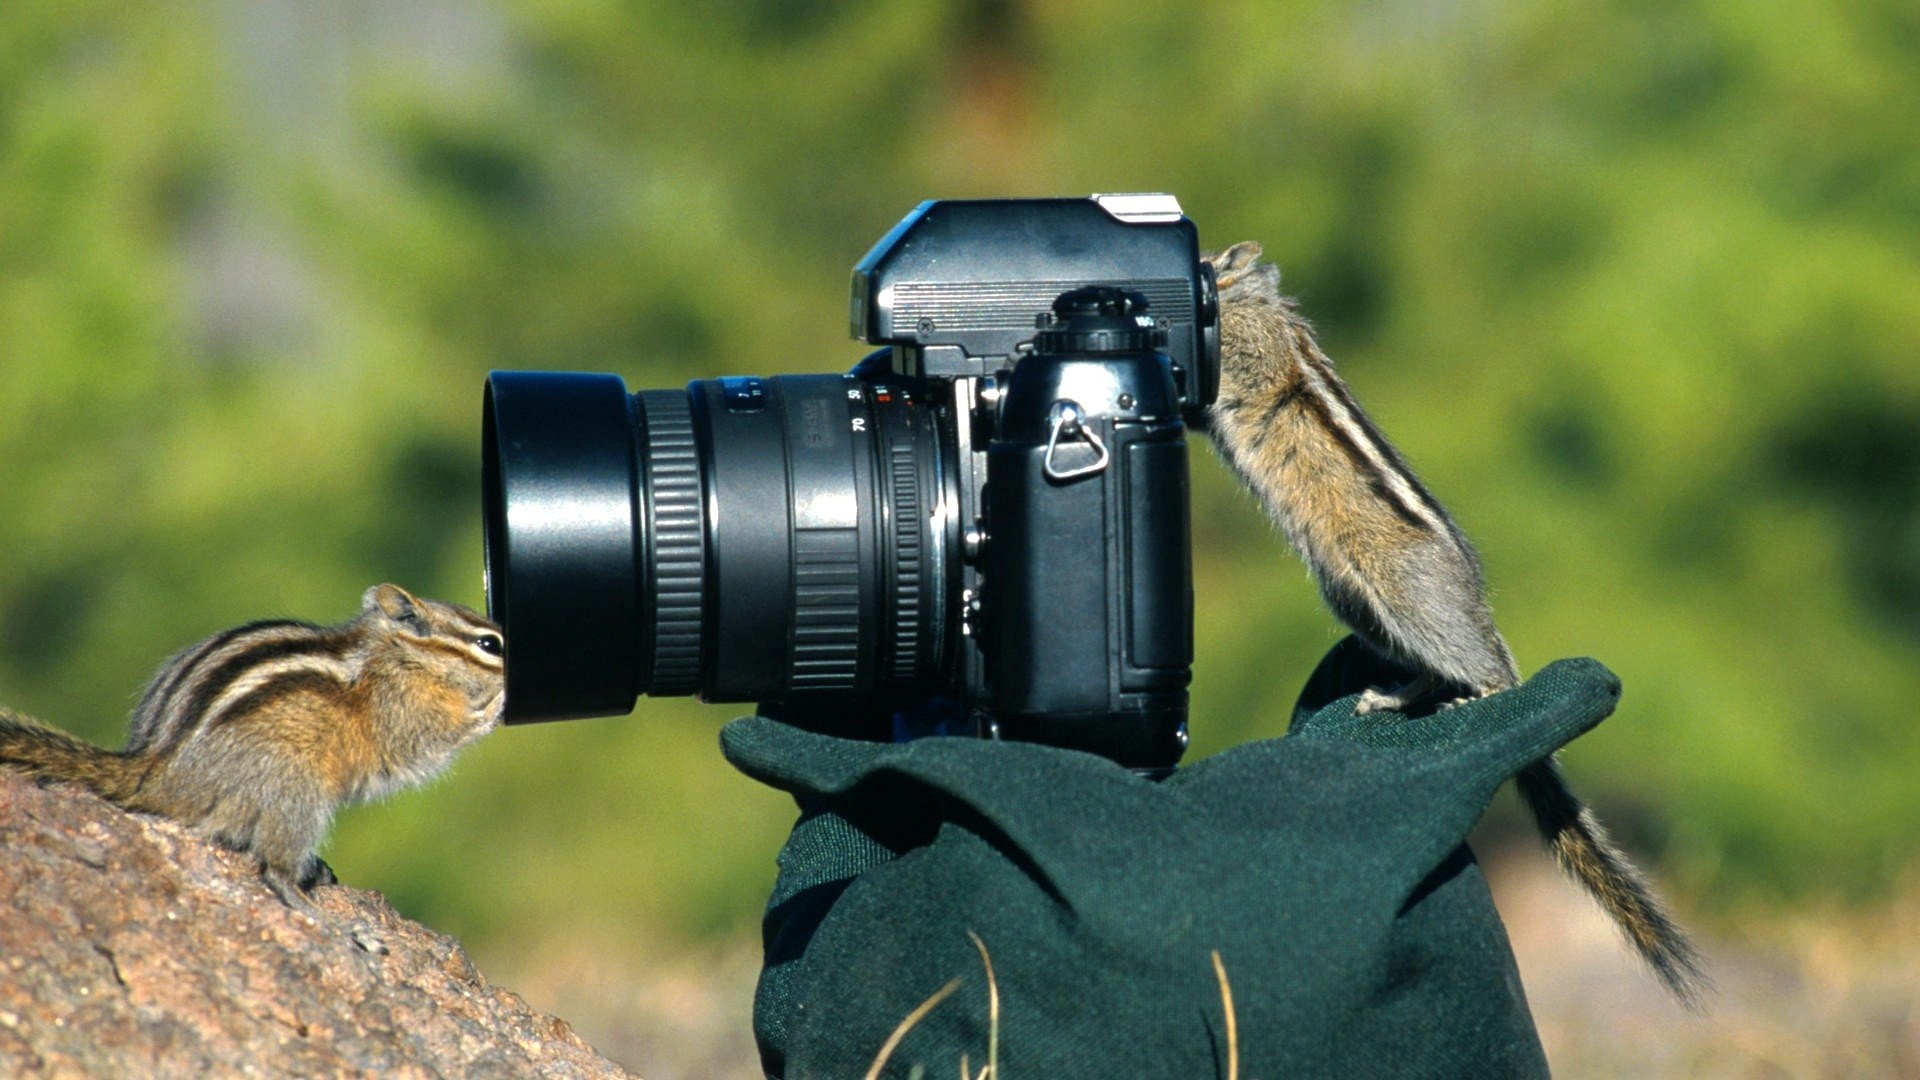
(1328, 869)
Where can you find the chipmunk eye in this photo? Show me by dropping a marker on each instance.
(490, 643)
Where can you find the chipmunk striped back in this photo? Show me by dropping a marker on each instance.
(220, 676)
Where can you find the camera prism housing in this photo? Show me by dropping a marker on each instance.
(981, 529)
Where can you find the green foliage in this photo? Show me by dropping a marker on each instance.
(1634, 285)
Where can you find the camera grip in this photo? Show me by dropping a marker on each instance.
(1088, 610)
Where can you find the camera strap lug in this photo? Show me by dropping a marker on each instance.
(1066, 417)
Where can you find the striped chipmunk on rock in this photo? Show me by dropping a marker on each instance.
(1394, 567)
(256, 736)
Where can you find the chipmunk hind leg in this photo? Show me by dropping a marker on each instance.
(284, 841)
(278, 816)
(1424, 609)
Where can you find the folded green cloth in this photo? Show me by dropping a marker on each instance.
(1328, 869)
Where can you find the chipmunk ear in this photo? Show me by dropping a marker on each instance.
(396, 604)
(1240, 276)
(1235, 259)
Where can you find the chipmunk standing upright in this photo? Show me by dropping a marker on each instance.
(256, 736)
(1392, 564)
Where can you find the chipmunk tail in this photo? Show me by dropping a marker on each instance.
(47, 753)
(1584, 851)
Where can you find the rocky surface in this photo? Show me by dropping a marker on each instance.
(130, 947)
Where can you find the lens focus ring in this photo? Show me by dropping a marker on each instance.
(672, 492)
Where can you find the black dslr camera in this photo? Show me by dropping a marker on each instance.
(981, 529)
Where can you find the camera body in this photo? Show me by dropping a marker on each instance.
(981, 529)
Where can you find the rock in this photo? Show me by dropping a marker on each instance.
(131, 947)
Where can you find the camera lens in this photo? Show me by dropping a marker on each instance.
(743, 539)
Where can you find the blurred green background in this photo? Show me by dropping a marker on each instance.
(1636, 287)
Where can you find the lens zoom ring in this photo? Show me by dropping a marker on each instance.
(677, 559)
(826, 609)
(908, 516)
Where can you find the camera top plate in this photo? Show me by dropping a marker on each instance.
(958, 286)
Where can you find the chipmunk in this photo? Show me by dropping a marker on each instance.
(1393, 566)
(254, 737)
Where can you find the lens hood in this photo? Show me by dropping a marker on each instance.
(558, 470)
